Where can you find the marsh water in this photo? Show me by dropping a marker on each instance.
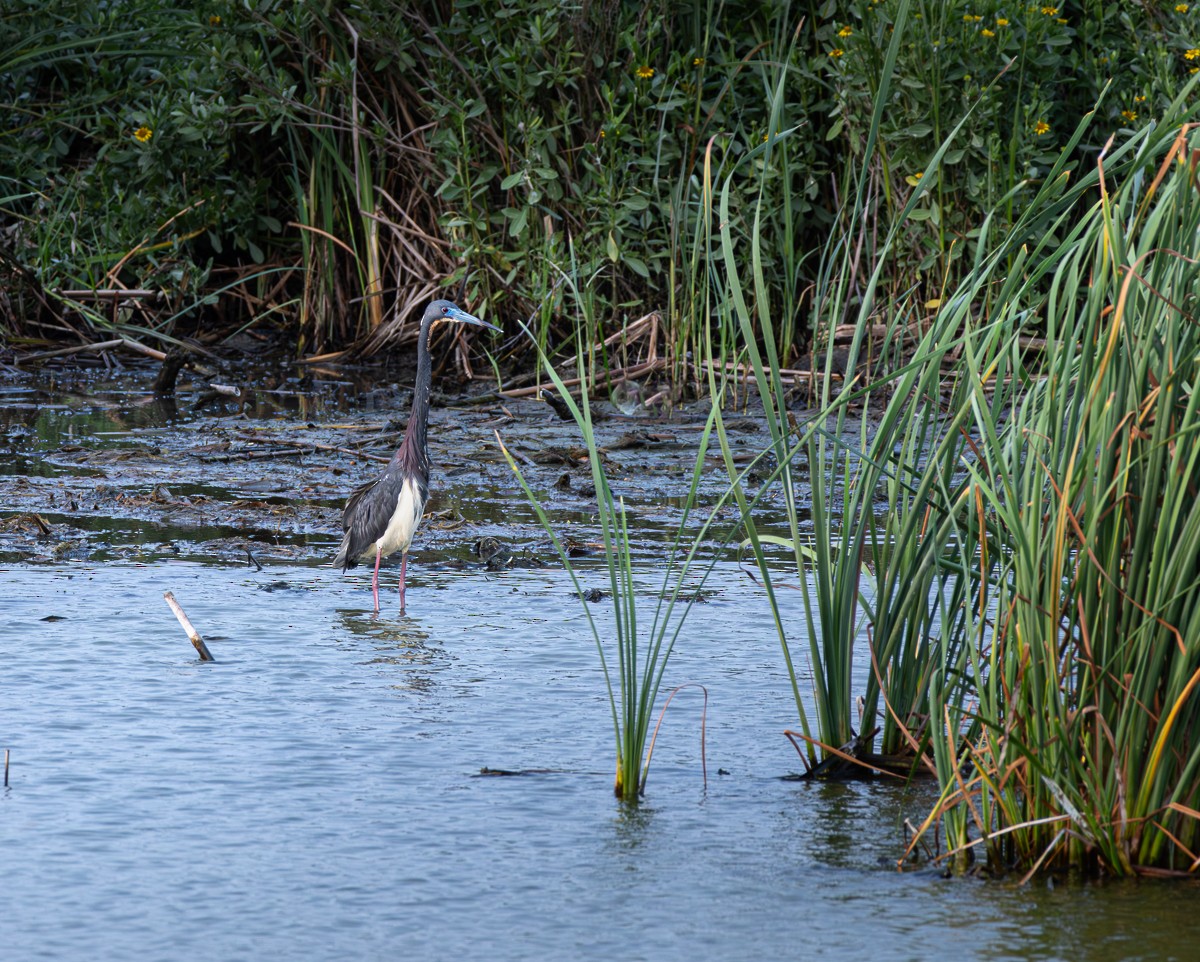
(438, 784)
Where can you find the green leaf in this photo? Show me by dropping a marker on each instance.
(512, 180)
(787, 543)
(614, 253)
(637, 265)
(517, 226)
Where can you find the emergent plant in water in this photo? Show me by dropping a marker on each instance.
(635, 660)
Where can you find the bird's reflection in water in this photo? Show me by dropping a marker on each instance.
(395, 629)
(393, 643)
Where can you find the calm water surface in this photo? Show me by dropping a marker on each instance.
(315, 793)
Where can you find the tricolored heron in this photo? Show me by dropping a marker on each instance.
(382, 516)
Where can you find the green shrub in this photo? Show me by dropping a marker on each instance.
(414, 146)
(131, 130)
(1031, 70)
(590, 125)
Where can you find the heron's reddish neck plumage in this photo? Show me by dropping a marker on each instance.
(414, 450)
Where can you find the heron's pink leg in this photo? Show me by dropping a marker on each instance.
(375, 580)
(403, 567)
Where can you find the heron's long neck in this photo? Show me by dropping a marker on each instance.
(414, 433)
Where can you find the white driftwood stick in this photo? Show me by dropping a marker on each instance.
(226, 390)
(201, 647)
(108, 292)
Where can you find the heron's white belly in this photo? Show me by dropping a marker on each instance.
(404, 521)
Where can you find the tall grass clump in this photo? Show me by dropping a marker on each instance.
(1008, 542)
(1079, 745)
(633, 654)
(1017, 528)
(848, 463)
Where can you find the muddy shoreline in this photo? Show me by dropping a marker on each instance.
(96, 467)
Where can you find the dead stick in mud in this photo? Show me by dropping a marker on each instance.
(315, 446)
(103, 293)
(614, 376)
(62, 352)
(192, 633)
(101, 346)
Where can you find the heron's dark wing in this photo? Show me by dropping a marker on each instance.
(356, 523)
(368, 511)
(352, 502)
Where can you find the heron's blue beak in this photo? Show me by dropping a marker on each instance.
(455, 314)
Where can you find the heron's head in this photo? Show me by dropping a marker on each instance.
(445, 311)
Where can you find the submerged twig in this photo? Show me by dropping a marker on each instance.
(168, 374)
(868, 762)
(192, 633)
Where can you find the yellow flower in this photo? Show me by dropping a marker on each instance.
(836, 52)
(1041, 127)
(919, 174)
(1001, 22)
(1062, 20)
(1194, 70)
(697, 61)
(214, 21)
(1050, 11)
(1130, 115)
(644, 72)
(1181, 8)
(845, 32)
(970, 18)
(1192, 54)
(985, 32)
(143, 134)
(1139, 99)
